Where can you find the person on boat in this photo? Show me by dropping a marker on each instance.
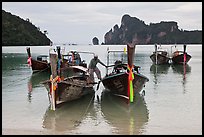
(118, 66)
(75, 58)
(176, 53)
(93, 68)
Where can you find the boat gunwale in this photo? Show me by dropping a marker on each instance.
(121, 73)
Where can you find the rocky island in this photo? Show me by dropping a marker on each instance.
(132, 28)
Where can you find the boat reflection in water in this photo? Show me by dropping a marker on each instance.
(125, 117)
(156, 70)
(160, 69)
(35, 81)
(69, 115)
(182, 69)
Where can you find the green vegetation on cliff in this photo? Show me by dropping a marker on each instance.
(16, 31)
(133, 29)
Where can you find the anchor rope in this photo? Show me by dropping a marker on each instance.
(85, 112)
(16, 81)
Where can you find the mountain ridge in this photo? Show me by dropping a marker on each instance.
(19, 32)
(165, 32)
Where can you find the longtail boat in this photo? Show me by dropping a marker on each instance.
(125, 80)
(160, 56)
(72, 58)
(63, 89)
(39, 64)
(181, 57)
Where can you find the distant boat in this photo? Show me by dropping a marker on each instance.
(63, 89)
(181, 57)
(120, 81)
(39, 64)
(160, 56)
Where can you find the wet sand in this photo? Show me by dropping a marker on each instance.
(7, 131)
(30, 132)
(22, 132)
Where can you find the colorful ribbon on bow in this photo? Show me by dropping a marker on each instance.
(184, 58)
(29, 61)
(130, 85)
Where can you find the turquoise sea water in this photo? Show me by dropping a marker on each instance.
(172, 103)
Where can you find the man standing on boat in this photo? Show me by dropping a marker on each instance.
(93, 68)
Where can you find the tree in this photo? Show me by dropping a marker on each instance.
(45, 32)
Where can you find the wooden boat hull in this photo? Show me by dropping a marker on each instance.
(69, 89)
(179, 58)
(40, 66)
(118, 83)
(161, 59)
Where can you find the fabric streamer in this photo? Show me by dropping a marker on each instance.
(130, 85)
(184, 58)
(29, 61)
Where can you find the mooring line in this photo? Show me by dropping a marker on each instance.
(79, 121)
(16, 81)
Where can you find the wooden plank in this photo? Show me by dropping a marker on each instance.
(53, 64)
(28, 52)
(80, 68)
(131, 52)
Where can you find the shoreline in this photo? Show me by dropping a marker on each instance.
(8, 131)
(14, 131)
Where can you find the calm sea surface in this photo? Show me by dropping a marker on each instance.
(172, 103)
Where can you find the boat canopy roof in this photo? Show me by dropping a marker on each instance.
(41, 56)
(179, 51)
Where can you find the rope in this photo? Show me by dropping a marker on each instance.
(79, 121)
(16, 81)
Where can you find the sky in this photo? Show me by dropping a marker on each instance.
(80, 22)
